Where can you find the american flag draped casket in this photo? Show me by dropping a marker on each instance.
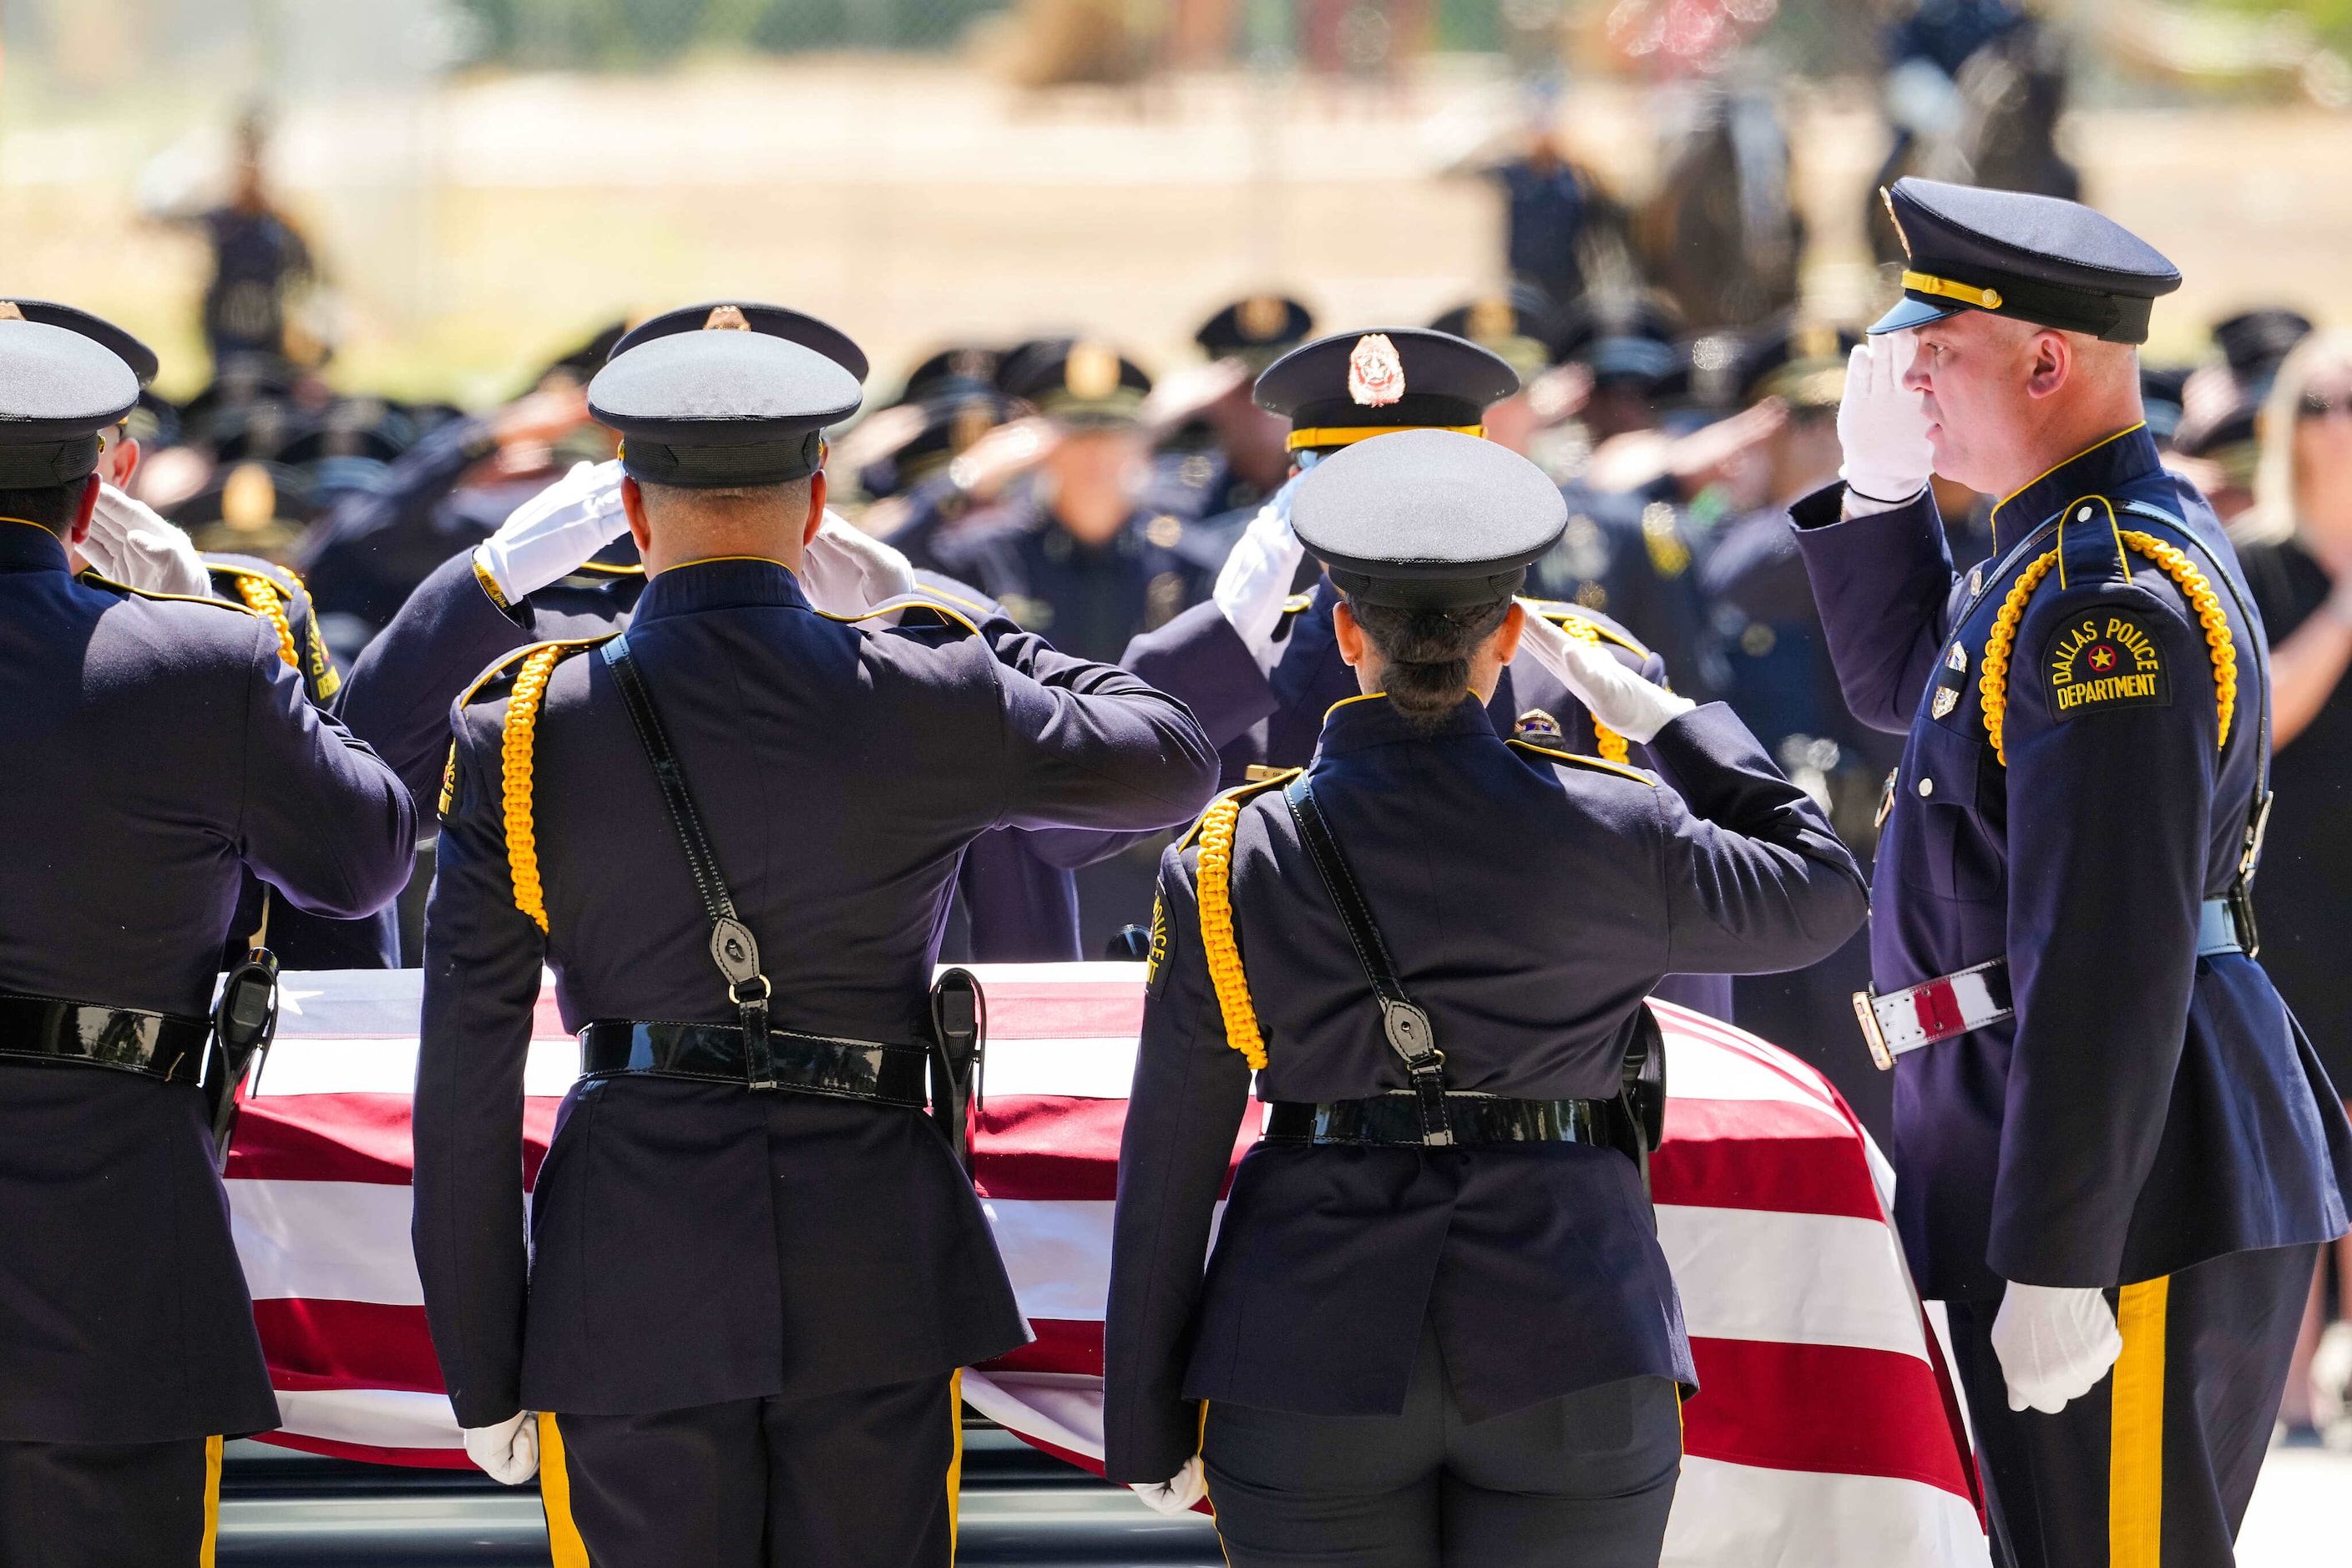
(1826, 1432)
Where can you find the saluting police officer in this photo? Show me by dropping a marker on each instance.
(1259, 666)
(563, 565)
(2116, 1151)
(732, 831)
(158, 746)
(1437, 1327)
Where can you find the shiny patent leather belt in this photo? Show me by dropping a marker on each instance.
(1394, 1120)
(799, 1064)
(1950, 1005)
(51, 1028)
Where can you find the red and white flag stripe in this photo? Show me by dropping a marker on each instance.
(1826, 1433)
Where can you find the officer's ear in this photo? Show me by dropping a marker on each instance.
(84, 510)
(1349, 632)
(633, 506)
(816, 519)
(1505, 644)
(2049, 363)
(122, 461)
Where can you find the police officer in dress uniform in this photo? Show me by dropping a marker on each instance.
(732, 831)
(158, 746)
(1259, 666)
(563, 566)
(1437, 1326)
(2116, 1152)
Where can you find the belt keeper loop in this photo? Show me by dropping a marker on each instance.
(1429, 1085)
(758, 1059)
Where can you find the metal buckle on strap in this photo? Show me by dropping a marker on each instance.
(1938, 1009)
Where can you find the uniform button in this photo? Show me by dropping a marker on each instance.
(1926, 786)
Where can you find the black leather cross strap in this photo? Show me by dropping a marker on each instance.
(805, 1064)
(733, 947)
(1394, 1120)
(160, 1045)
(1408, 1028)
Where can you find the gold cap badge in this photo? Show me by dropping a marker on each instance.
(1091, 373)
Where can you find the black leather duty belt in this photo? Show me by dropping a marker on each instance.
(154, 1044)
(1394, 1122)
(799, 1064)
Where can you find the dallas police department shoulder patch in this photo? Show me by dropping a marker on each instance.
(2105, 658)
(449, 780)
(1155, 963)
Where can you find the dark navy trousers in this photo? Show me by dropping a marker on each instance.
(2153, 1468)
(1586, 1479)
(863, 1479)
(110, 1505)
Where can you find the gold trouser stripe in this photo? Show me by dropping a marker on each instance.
(212, 1502)
(1319, 435)
(955, 1461)
(1967, 293)
(563, 1543)
(2135, 1443)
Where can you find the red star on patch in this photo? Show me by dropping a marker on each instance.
(2102, 659)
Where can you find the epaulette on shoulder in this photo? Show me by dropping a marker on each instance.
(930, 599)
(2094, 550)
(509, 666)
(1298, 603)
(1542, 755)
(97, 580)
(1573, 618)
(265, 594)
(1232, 801)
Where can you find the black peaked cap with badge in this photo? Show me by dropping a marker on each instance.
(60, 391)
(769, 321)
(2034, 258)
(1350, 386)
(1428, 520)
(1081, 381)
(1260, 327)
(1521, 325)
(715, 409)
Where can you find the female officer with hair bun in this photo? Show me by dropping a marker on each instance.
(1437, 1327)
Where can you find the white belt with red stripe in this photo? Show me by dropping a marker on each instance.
(1933, 1010)
(1951, 1004)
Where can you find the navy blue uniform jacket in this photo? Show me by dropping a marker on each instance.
(157, 749)
(694, 1243)
(2147, 1109)
(1530, 901)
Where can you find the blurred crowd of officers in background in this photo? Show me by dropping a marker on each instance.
(1671, 384)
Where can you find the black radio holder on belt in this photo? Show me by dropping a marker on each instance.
(244, 1023)
(1632, 1123)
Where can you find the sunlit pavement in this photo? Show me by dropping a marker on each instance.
(2302, 1514)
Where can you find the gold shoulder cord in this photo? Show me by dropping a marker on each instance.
(1611, 744)
(262, 597)
(1992, 681)
(514, 754)
(1216, 894)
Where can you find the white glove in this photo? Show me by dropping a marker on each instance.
(1618, 696)
(129, 543)
(551, 533)
(1881, 428)
(2054, 1343)
(847, 571)
(1254, 581)
(508, 1452)
(1175, 1496)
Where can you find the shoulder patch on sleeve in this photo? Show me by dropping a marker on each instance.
(450, 780)
(1545, 755)
(2107, 657)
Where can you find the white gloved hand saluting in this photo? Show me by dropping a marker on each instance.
(509, 1452)
(551, 533)
(1175, 1496)
(2054, 1343)
(1254, 582)
(1618, 698)
(847, 571)
(129, 543)
(1881, 428)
